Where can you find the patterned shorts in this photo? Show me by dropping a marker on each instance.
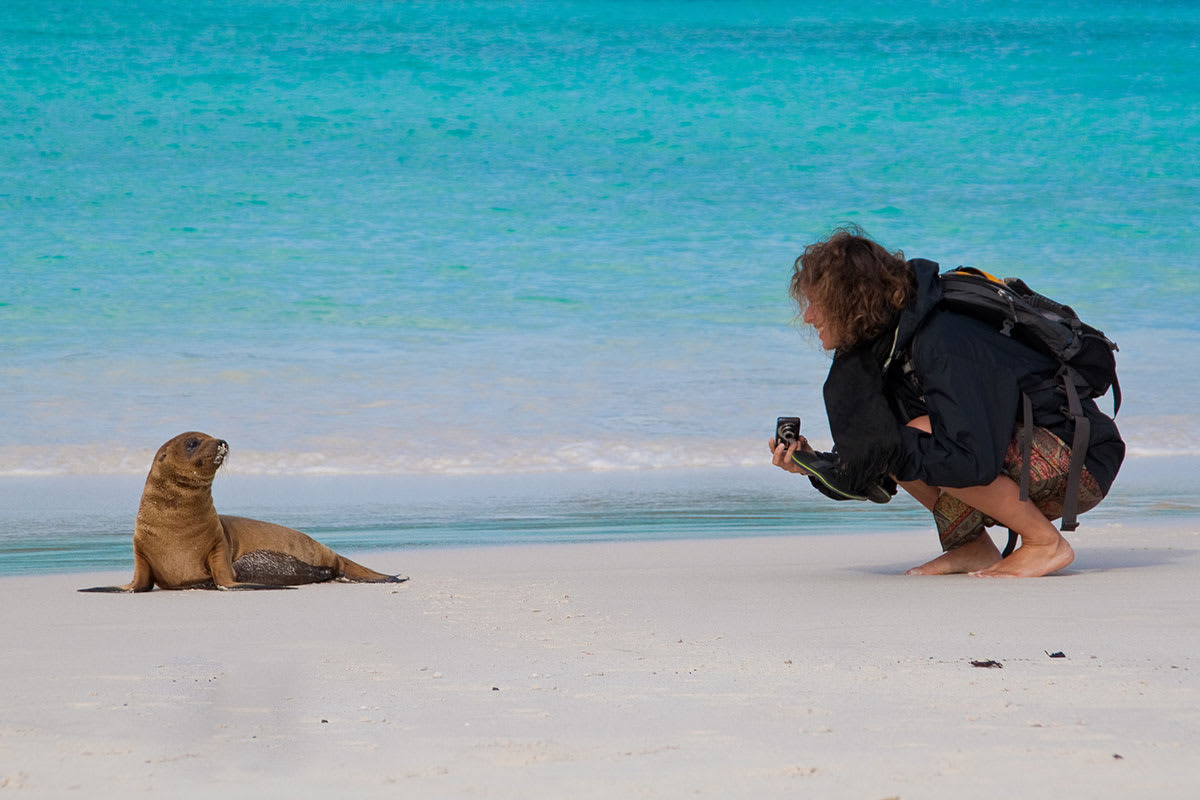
(959, 523)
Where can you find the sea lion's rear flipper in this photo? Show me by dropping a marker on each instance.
(271, 553)
(384, 579)
(352, 572)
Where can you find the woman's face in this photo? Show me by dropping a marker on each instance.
(814, 315)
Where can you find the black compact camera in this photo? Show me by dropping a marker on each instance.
(787, 430)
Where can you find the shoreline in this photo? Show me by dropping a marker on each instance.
(754, 667)
(70, 524)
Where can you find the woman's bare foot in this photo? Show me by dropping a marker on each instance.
(974, 555)
(1031, 561)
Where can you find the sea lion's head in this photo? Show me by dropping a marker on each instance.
(192, 455)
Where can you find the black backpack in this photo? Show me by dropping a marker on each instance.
(1087, 366)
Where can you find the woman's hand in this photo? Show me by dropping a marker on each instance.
(781, 454)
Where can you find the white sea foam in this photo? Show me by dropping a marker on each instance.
(109, 459)
(525, 457)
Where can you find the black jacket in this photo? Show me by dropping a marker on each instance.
(968, 378)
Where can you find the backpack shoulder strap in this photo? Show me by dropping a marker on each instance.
(1079, 445)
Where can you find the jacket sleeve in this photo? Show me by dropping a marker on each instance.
(972, 396)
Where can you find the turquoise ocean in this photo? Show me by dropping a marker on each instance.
(468, 272)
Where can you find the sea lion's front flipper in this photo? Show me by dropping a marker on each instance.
(226, 578)
(143, 578)
(281, 569)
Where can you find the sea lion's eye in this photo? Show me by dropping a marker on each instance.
(192, 444)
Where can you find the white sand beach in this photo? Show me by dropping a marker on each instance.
(770, 667)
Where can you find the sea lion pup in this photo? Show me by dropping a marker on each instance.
(181, 542)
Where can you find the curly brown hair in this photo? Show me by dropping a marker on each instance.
(858, 285)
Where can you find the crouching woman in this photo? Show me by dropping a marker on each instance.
(930, 399)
